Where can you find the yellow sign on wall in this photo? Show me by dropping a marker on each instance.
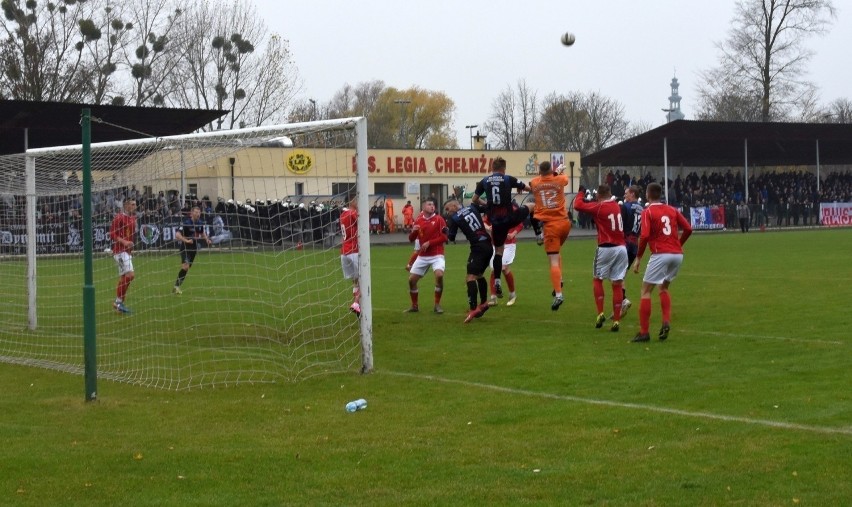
(300, 162)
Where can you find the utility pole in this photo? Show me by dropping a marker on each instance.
(313, 109)
(470, 131)
(402, 103)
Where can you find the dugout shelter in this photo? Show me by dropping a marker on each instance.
(26, 124)
(690, 143)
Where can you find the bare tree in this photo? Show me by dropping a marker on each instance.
(271, 84)
(41, 56)
(528, 114)
(565, 123)
(638, 128)
(230, 62)
(364, 99)
(724, 97)
(582, 122)
(150, 54)
(764, 58)
(514, 117)
(105, 39)
(606, 119)
(358, 100)
(501, 123)
(838, 111)
(303, 110)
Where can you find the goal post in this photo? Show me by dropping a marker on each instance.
(265, 302)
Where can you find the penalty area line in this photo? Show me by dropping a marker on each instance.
(635, 406)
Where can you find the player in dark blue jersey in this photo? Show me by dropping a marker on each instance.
(497, 189)
(469, 221)
(189, 234)
(631, 216)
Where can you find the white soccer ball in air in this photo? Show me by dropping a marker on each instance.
(567, 39)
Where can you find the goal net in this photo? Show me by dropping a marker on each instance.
(266, 301)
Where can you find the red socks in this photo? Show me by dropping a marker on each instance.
(597, 288)
(510, 280)
(666, 305)
(644, 315)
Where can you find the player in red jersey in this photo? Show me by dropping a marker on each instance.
(121, 232)
(611, 255)
(413, 256)
(548, 189)
(349, 257)
(431, 229)
(660, 225)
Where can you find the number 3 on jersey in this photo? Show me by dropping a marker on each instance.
(667, 226)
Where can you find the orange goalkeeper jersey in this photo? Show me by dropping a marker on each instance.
(549, 193)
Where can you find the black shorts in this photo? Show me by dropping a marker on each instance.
(187, 255)
(500, 229)
(632, 250)
(479, 258)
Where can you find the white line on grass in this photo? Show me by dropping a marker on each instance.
(697, 332)
(636, 406)
(762, 337)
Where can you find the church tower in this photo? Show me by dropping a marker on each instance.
(674, 112)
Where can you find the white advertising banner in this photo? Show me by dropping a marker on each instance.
(835, 214)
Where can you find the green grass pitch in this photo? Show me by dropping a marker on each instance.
(747, 403)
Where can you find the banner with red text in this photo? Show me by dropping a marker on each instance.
(835, 214)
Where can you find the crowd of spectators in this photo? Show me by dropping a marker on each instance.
(775, 198)
(258, 221)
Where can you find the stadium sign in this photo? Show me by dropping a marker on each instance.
(835, 214)
(300, 162)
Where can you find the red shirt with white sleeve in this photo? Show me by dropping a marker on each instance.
(607, 217)
(431, 231)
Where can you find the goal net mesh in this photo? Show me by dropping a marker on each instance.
(265, 302)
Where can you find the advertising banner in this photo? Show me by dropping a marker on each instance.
(835, 214)
(707, 217)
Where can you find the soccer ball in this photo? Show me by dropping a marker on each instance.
(567, 38)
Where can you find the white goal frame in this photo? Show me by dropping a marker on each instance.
(357, 125)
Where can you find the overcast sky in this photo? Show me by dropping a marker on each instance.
(471, 50)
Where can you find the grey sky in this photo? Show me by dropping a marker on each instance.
(627, 50)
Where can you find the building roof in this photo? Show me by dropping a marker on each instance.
(58, 123)
(707, 143)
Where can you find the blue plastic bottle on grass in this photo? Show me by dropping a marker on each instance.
(354, 406)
